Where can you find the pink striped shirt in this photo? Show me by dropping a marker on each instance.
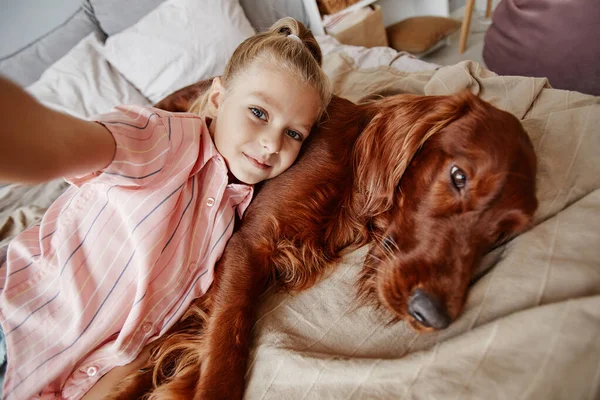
(118, 258)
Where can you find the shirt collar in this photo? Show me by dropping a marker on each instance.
(208, 151)
(240, 188)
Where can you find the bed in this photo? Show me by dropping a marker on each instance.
(531, 326)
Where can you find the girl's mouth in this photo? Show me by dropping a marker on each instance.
(257, 163)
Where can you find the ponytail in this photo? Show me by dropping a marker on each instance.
(287, 45)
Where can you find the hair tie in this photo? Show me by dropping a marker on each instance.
(294, 37)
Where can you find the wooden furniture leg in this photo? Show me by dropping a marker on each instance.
(488, 9)
(466, 24)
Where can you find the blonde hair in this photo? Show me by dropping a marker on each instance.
(302, 58)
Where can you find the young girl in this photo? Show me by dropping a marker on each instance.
(118, 258)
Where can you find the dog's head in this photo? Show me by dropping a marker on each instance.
(444, 179)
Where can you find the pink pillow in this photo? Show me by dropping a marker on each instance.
(547, 38)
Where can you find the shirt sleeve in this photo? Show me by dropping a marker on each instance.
(146, 140)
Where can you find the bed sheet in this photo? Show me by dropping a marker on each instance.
(531, 323)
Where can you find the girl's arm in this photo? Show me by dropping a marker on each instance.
(38, 144)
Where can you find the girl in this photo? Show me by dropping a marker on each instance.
(118, 258)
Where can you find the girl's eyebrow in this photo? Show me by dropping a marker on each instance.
(264, 97)
(273, 103)
(306, 127)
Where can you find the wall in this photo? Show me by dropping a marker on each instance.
(479, 5)
(456, 4)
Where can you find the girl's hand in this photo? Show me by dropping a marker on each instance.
(38, 144)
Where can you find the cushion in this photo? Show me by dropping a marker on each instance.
(115, 16)
(177, 44)
(26, 65)
(83, 83)
(419, 35)
(547, 38)
(361, 27)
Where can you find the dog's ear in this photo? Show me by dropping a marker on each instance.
(182, 99)
(402, 124)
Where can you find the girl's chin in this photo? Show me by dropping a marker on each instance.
(244, 177)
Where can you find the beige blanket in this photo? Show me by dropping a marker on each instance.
(531, 327)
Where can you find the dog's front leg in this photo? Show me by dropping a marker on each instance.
(241, 278)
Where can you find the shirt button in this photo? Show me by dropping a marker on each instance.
(91, 371)
(192, 266)
(146, 327)
(210, 201)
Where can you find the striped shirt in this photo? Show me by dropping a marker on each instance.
(119, 257)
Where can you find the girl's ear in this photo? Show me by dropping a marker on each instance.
(215, 97)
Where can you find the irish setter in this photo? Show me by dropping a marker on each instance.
(434, 182)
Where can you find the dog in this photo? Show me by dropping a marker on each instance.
(432, 182)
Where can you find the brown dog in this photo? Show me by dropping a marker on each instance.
(434, 182)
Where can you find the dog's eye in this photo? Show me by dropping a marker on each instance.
(459, 179)
(502, 238)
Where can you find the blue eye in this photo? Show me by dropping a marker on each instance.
(294, 135)
(258, 113)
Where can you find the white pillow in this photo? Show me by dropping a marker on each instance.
(177, 44)
(83, 83)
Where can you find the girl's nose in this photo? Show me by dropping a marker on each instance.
(272, 141)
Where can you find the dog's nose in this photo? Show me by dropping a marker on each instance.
(428, 310)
